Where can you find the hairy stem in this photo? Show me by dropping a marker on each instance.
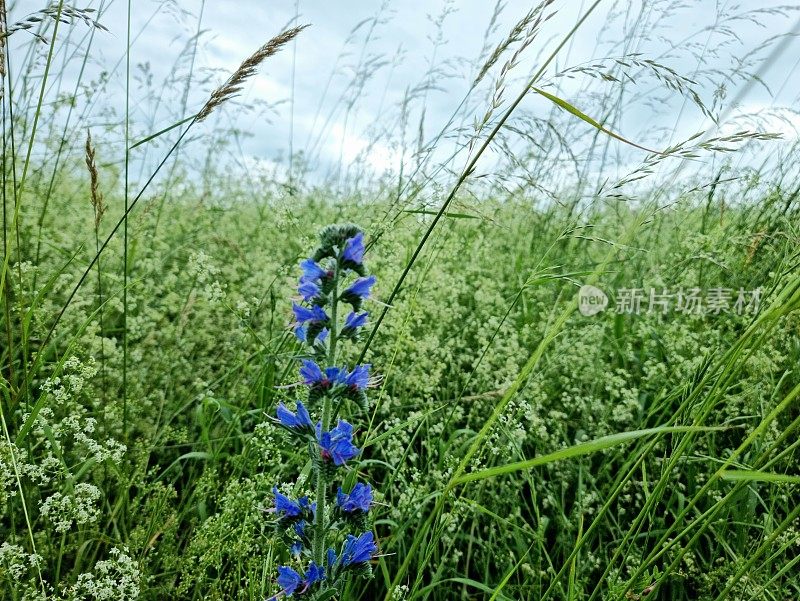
(319, 518)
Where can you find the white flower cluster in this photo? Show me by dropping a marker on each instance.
(16, 561)
(15, 461)
(76, 374)
(65, 422)
(214, 292)
(201, 267)
(205, 272)
(110, 449)
(114, 579)
(80, 507)
(8, 456)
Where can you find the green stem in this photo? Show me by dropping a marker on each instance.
(319, 520)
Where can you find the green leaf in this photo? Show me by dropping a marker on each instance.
(584, 117)
(200, 455)
(756, 476)
(468, 582)
(452, 215)
(584, 448)
(507, 577)
(325, 595)
(162, 132)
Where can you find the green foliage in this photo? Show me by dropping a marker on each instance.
(187, 489)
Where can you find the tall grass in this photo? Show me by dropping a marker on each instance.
(521, 449)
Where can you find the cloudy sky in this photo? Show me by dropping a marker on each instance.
(342, 82)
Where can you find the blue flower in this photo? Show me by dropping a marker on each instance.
(306, 504)
(284, 505)
(288, 580)
(297, 548)
(311, 373)
(314, 574)
(354, 249)
(309, 290)
(312, 270)
(290, 420)
(312, 315)
(338, 443)
(359, 499)
(358, 292)
(358, 550)
(336, 375)
(354, 320)
(301, 333)
(331, 556)
(361, 287)
(359, 377)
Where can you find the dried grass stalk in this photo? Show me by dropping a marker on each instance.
(524, 29)
(97, 196)
(246, 70)
(61, 13)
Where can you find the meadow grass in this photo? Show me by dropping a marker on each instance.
(518, 449)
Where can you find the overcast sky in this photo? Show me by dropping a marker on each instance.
(306, 86)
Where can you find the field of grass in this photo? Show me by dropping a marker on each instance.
(518, 449)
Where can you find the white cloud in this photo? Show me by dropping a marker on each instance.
(323, 55)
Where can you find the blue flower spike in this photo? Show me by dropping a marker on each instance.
(333, 285)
